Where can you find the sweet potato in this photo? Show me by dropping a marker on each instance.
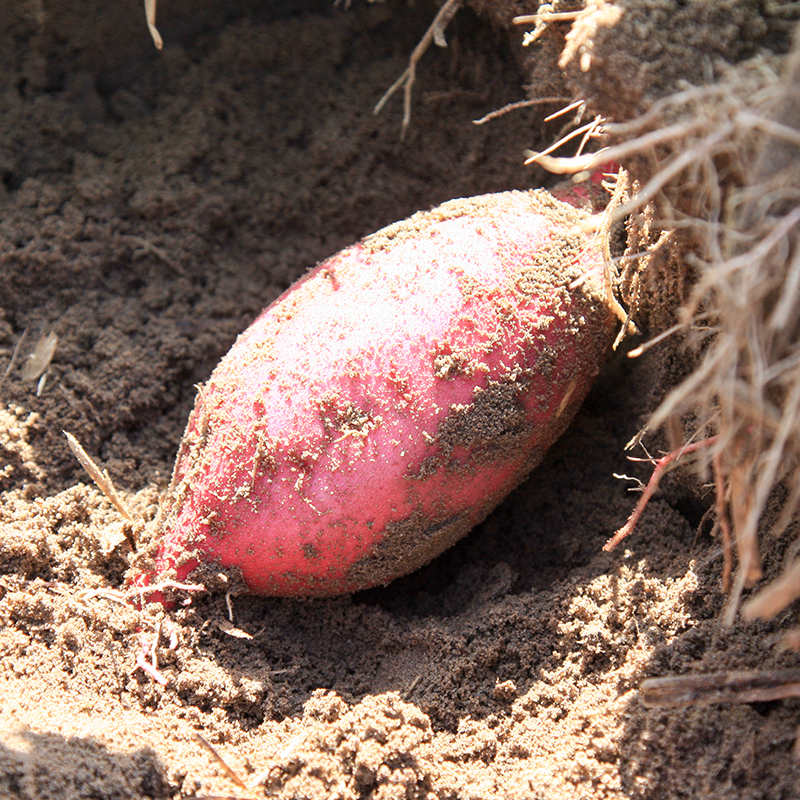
(390, 399)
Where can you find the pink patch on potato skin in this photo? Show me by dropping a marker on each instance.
(394, 395)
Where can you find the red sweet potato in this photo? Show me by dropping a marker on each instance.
(390, 399)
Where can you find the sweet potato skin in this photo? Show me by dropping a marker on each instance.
(390, 399)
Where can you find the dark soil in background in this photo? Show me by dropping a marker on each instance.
(150, 205)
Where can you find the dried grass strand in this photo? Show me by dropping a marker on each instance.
(100, 477)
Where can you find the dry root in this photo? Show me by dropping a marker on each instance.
(727, 176)
(435, 33)
(716, 198)
(748, 298)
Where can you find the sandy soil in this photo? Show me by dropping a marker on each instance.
(150, 205)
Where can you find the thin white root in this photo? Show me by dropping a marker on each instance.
(578, 105)
(514, 106)
(642, 348)
(590, 129)
(552, 16)
(591, 161)
(137, 593)
(540, 21)
(150, 668)
(435, 33)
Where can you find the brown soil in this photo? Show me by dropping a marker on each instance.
(150, 205)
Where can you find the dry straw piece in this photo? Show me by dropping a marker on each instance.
(150, 16)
